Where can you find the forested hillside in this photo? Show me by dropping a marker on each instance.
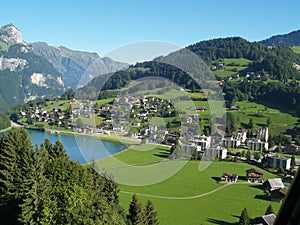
(40, 185)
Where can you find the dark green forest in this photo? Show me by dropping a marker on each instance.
(40, 185)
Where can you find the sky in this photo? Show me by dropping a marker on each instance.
(100, 26)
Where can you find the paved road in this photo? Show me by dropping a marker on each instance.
(185, 198)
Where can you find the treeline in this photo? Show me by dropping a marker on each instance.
(284, 95)
(276, 61)
(40, 185)
(4, 121)
(120, 79)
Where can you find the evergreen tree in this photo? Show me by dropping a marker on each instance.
(244, 218)
(136, 214)
(150, 214)
(250, 124)
(269, 210)
(293, 162)
(248, 155)
(16, 164)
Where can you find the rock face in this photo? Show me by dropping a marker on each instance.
(29, 71)
(23, 74)
(76, 67)
(9, 34)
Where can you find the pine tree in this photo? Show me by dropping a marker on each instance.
(150, 214)
(34, 203)
(293, 162)
(16, 164)
(58, 150)
(269, 210)
(244, 218)
(248, 155)
(136, 214)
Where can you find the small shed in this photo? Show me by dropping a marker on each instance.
(273, 184)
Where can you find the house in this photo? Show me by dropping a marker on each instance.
(265, 220)
(278, 195)
(229, 177)
(273, 184)
(257, 145)
(279, 162)
(254, 176)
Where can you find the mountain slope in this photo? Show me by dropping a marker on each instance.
(290, 39)
(23, 74)
(76, 67)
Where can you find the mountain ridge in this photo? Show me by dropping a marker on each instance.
(289, 40)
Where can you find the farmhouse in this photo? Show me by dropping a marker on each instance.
(229, 177)
(254, 176)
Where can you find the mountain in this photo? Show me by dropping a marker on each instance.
(76, 67)
(290, 39)
(23, 74)
(29, 71)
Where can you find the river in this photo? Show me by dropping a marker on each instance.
(79, 147)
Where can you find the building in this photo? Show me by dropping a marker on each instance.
(292, 149)
(279, 162)
(273, 184)
(229, 177)
(265, 220)
(257, 145)
(216, 152)
(278, 195)
(263, 134)
(231, 142)
(236, 140)
(254, 176)
(202, 142)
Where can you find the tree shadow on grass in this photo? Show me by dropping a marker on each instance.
(217, 179)
(221, 222)
(163, 154)
(243, 178)
(264, 197)
(256, 186)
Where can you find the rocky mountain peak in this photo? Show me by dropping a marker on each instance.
(10, 34)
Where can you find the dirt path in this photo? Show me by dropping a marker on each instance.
(184, 198)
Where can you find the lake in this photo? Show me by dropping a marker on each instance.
(81, 148)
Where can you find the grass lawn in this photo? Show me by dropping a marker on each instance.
(296, 49)
(221, 207)
(281, 120)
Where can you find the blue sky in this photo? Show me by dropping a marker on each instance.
(100, 26)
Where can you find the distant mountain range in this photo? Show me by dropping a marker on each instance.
(290, 39)
(29, 71)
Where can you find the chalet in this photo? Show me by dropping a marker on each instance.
(73, 100)
(278, 195)
(229, 177)
(265, 220)
(273, 184)
(254, 176)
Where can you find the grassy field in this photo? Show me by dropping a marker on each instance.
(232, 66)
(296, 49)
(221, 207)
